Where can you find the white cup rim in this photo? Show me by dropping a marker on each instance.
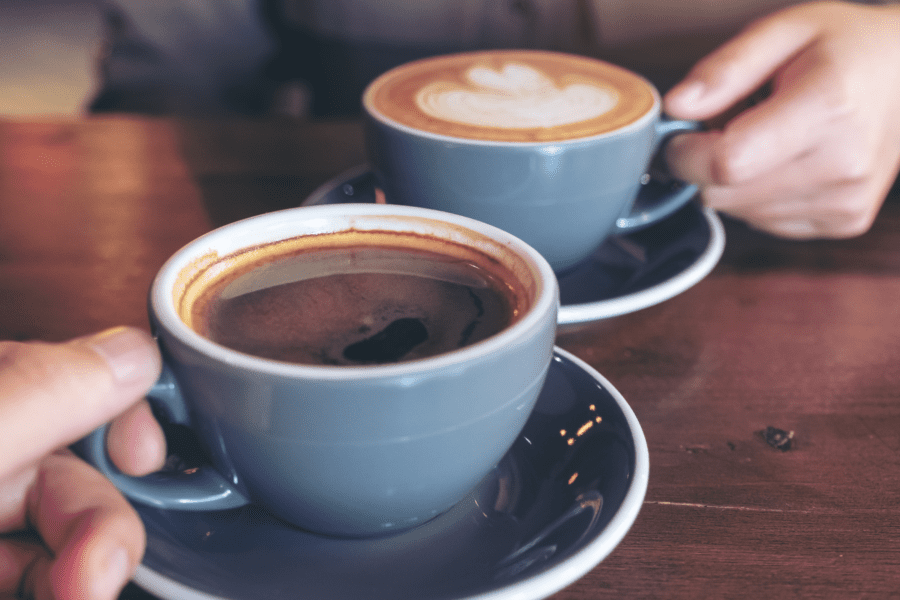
(329, 218)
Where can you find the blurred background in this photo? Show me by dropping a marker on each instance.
(49, 51)
(47, 56)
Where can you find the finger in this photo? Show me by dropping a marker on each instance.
(820, 179)
(805, 121)
(20, 555)
(94, 534)
(800, 229)
(740, 66)
(790, 124)
(135, 441)
(838, 211)
(714, 158)
(53, 394)
(795, 121)
(691, 157)
(695, 158)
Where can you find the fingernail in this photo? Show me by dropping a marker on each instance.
(112, 575)
(129, 353)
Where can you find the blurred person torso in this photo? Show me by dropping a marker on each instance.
(242, 56)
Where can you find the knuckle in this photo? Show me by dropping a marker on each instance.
(838, 100)
(25, 361)
(852, 206)
(854, 225)
(854, 164)
(717, 197)
(728, 162)
(723, 170)
(726, 172)
(852, 147)
(846, 216)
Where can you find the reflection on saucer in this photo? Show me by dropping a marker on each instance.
(554, 507)
(626, 274)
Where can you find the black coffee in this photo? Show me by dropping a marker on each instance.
(355, 306)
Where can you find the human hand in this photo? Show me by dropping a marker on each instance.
(65, 531)
(816, 158)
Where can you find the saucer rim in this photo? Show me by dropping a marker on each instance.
(537, 586)
(589, 312)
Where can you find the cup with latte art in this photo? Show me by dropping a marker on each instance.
(551, 147)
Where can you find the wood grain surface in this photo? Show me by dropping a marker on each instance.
(800, 336)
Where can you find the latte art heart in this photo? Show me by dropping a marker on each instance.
(517, 96)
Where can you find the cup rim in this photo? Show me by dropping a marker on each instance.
(644, 120)
(277, 225)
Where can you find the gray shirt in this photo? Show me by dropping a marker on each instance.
(242, 56)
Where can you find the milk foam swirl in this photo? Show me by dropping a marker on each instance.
(516, 97)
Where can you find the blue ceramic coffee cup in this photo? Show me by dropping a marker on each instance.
(343, 450)
(550, 147)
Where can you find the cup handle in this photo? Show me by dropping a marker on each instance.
(202, 488)
(657, 199)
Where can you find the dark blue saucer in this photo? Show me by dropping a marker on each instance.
(552, 509)
(626, 273)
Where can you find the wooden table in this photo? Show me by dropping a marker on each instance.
(804, 337)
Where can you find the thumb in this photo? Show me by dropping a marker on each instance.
(741, 66)
(54, 394)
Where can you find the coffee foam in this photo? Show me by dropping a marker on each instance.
(516, 97)
(513, 95)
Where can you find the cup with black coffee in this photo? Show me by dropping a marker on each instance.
(354, 369)
(552, 147)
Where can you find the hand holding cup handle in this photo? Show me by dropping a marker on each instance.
(657, 199)
(346, 449)
(199, 488)
(550, 147)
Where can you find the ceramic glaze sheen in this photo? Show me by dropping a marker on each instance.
(550, 147)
